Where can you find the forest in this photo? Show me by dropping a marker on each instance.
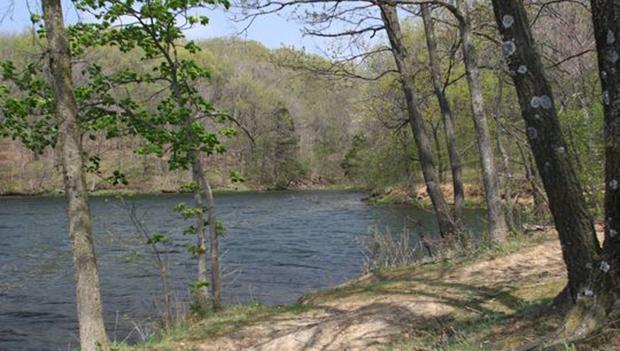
(498, 120)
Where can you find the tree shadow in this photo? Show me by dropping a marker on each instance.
(401, 309)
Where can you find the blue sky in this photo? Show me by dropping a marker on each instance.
(273, 31)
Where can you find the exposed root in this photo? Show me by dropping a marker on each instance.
(583, 319)
(563, 301)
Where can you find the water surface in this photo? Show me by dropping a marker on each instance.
(278, 246)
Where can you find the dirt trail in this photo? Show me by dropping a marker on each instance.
(380, 308)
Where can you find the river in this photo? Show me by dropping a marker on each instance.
(277, 247)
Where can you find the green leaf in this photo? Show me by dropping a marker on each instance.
(157, 238)
(236, 177)
(198, 284)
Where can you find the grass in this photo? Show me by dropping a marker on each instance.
(215, 324)
(472, 307)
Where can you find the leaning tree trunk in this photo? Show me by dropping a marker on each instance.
(498, 230)
(201, 295)
(580, 246)
(90, 312)
(446, 114)
(404, 63)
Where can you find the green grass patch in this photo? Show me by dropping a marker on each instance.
(214, 324)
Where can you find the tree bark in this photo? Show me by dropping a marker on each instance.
(498, 230)
(207, 192)
(580, 247)
(90, 311)
(588, 279)
(216, 283)
(446, 114)
(404, 63)
(202, 294)
(606, 19)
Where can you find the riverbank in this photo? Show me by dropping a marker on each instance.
(496, 299)
(227, 189)
(416, 196)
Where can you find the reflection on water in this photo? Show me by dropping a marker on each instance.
(278, 246)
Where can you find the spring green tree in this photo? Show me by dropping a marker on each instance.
(177, 122)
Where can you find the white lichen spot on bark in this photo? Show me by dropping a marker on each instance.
(613, 233)
(613, 56)
(508, 21)
(535, 102)
(545, 102)
(522, 69)
(613, 184)
(606, 99)
(605, 266)
(532, 133)
(611, 37)
(508, 48)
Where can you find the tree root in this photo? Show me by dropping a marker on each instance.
(585, 317)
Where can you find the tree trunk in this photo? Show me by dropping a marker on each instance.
(404, 63)
(201, 296)
(216, 283)
(606, 18)
(498, 230)
(446, 114)
(580, 246)
(207, 192)
(90, 312)
(440, 163)
(589, 283)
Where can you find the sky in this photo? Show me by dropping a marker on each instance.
(273, 31)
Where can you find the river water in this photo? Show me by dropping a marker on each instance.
(277, 247)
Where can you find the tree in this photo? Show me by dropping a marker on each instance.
(446, 112)
(606, 20)
(588, 282)
(287, 168)
(404, 62)
(498, 230)
(179, 119)
(90, 312)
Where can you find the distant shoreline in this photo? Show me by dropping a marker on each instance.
(132, 192)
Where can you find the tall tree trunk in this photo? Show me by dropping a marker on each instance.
(90, 311)
(207, 192)
(441, 169)
(404, 63)
(201, 296)
(446, 114)
(580, 246)
(216, 283)
(606, 18)
(498, 230)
